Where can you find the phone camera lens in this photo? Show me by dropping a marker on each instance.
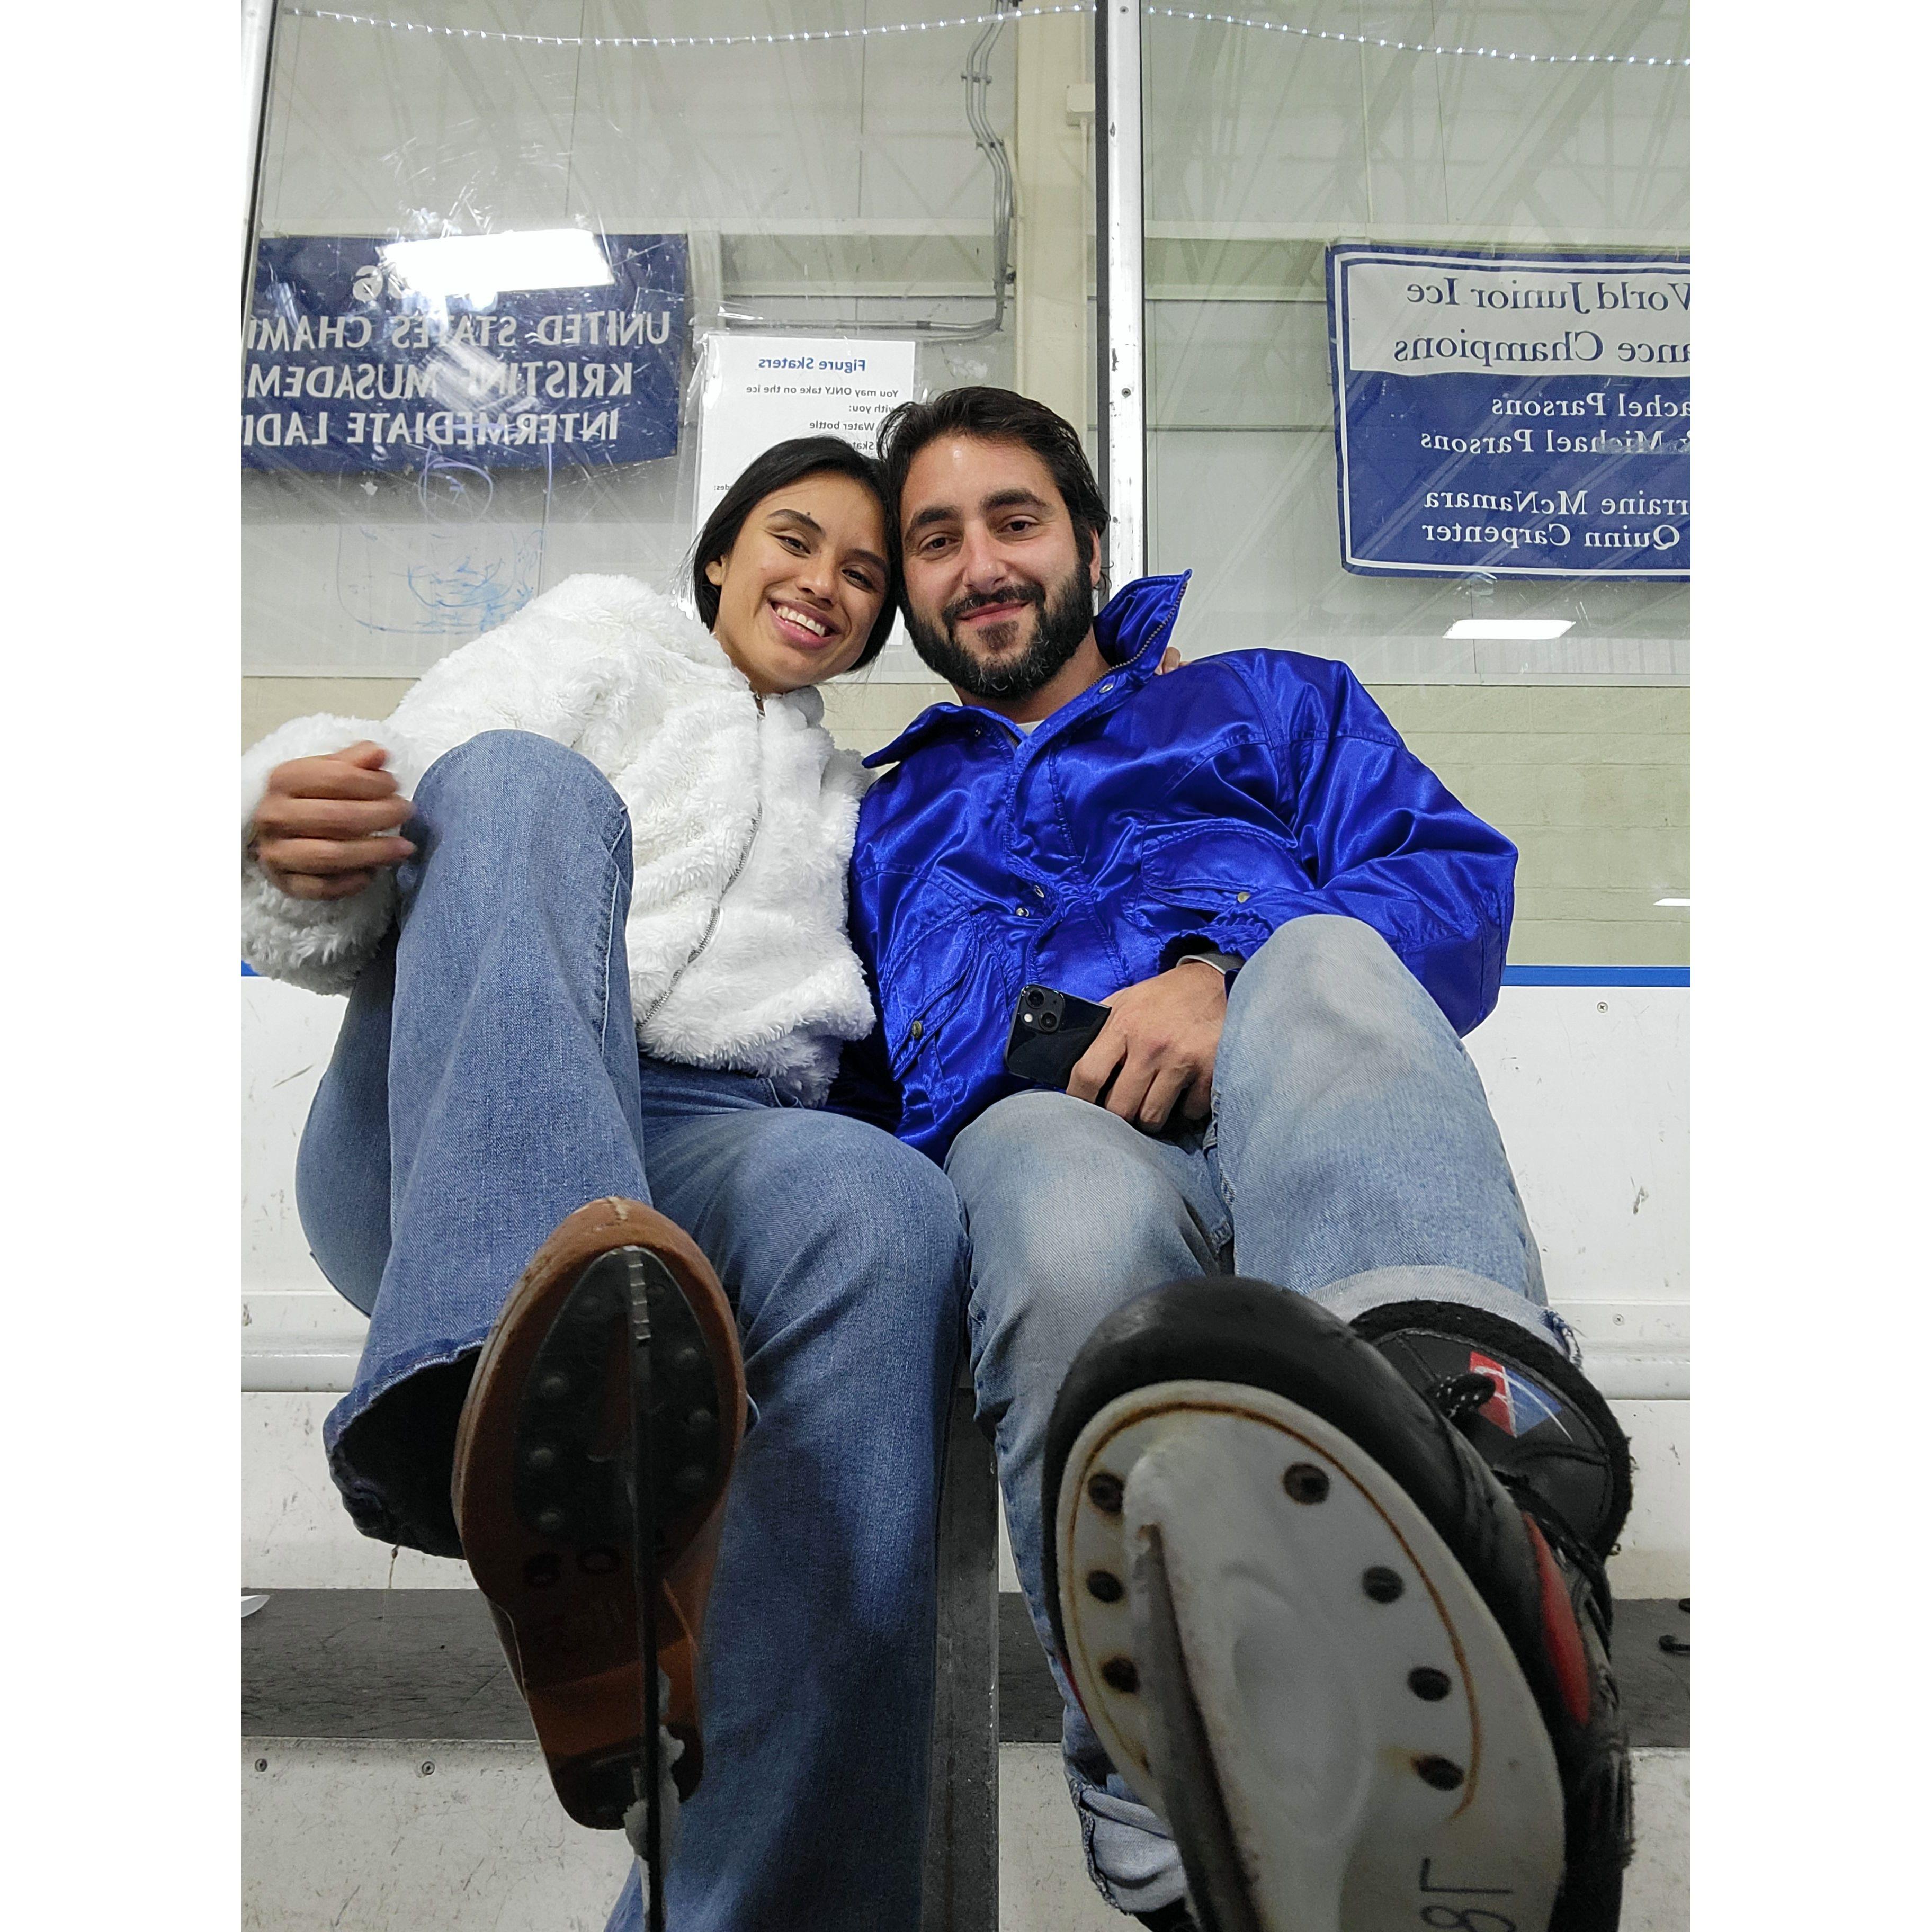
(1049, 1022)
(1035, 999)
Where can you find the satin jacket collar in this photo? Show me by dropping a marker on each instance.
(1132, 632)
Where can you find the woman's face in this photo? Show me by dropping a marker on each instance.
(800, 590)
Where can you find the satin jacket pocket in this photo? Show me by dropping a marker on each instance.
(934, 962)
(1220, 869)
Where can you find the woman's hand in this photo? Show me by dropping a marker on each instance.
(326, 825)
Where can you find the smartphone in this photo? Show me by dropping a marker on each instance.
(1050, 1032)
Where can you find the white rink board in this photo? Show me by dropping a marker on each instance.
(1589, 1085)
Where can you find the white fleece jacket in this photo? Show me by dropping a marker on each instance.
(742, 824)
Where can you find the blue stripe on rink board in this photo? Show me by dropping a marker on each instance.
(1513, 975)
(1596, 976)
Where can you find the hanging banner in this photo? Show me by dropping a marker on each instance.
(1523, 414)
(758, 390)
(498, 352)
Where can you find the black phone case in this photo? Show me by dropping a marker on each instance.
(1047, 1059)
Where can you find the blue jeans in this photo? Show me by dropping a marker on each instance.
(488, 1082)
(1350, 1157)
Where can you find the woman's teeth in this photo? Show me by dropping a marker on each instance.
(792, 614)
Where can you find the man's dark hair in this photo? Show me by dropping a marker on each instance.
(997, 415)
(781, 465)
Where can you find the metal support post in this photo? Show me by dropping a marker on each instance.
(258, 42)
(1123, 426)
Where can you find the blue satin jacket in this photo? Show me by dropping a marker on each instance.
(1212, 805)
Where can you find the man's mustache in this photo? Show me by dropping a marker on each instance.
(1016, 593)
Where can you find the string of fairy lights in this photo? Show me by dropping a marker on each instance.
(806, 36)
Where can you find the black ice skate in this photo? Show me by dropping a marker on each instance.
(1365, 1686)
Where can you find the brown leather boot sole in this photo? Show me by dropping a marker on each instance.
(541, 1482)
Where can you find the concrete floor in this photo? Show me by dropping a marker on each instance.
(403, 1836)
(391, 1782)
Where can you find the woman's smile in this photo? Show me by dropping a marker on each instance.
(801, 628)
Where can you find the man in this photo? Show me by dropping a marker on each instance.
(1217, 1492)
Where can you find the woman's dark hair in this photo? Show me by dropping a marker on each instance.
(781, 465)
(997, 416)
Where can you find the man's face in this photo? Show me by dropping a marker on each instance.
(1001, 597)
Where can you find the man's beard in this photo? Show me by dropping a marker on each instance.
(1060, 629)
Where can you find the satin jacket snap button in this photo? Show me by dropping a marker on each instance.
(1024, 912)
(918, 1028)
(1107, 687)
(1242, 899)
(1039, 891)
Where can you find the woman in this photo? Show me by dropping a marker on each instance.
(608, 965)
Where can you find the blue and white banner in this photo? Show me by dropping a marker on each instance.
(508, 351)
(1513, 414)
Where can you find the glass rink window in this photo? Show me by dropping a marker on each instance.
(1516, 220)
(493, 239)
(1375, 319)
(1416, 339)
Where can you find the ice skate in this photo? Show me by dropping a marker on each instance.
(1365, 1687)
(592, 1462)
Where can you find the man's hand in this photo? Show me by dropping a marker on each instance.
(1157, 1047)
(326, 826)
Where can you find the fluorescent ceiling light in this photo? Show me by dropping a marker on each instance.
(483, 265)
(1521, 628)
(1682, 902)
